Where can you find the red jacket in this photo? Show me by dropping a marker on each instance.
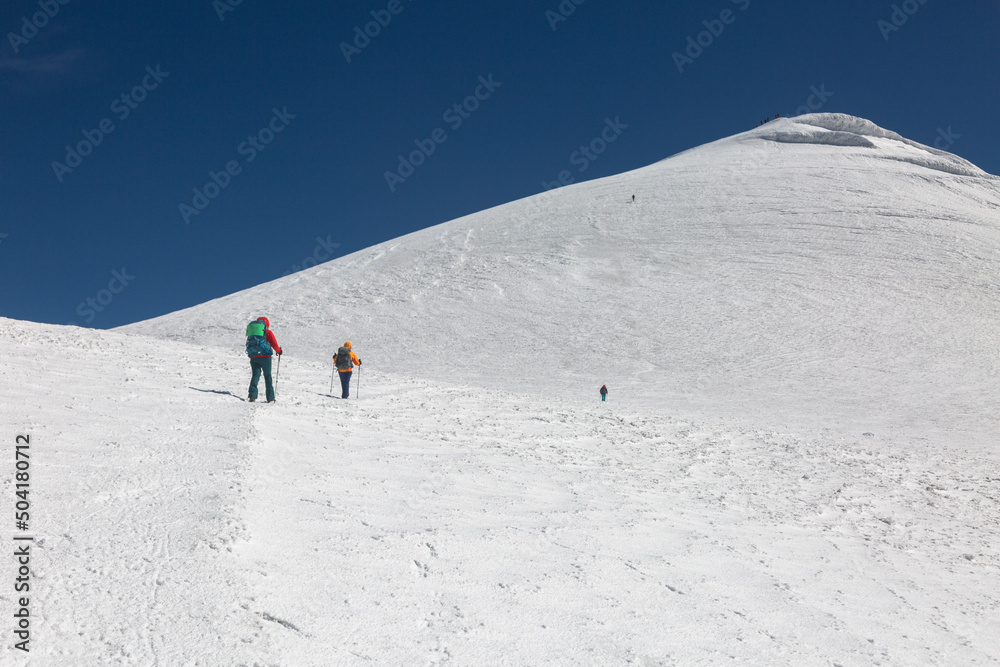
(269, 337)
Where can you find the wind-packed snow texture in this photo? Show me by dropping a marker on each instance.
(797, 464)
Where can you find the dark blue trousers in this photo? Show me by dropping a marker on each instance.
(345, 383)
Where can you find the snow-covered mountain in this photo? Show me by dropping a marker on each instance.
(797, 465)
(814, 269)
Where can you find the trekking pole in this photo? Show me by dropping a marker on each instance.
(359, 383)
(276, 372)
(333, 375)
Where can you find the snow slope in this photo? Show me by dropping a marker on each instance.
(796, 466)
(817, 269)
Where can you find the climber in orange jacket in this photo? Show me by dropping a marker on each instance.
(345, 360)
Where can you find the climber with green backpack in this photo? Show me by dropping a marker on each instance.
(261, 344)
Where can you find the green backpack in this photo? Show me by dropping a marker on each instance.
(257, 345)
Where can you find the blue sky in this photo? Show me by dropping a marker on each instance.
(115, 114)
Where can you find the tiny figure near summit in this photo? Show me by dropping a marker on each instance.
(604, 392)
